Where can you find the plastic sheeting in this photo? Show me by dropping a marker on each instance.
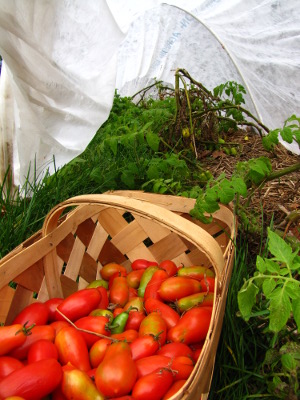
(63, 60)
(57, 81)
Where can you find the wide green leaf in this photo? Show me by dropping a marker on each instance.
(280, 309)
(247, 298)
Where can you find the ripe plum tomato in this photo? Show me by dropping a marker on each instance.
(183, 366)
(141, 263)
(154, 324)
(93, 324)
(176, 386)
(97, 351)
(78, 385)
(176, 287)
(170, 316)
(174, 349)
(33, 381)
(134, 278)
(119, 291)
(38, 332)
(129, 335)
(8, 365)
(192, 326)
(72, 348)
(169, 266)
(151, 290)
(208, 283)
(116, 374)
(146, 365)
(41, 350)
(78, 304)
(144, 346)
(110, 269)
(52, 304)
(36, 313)
(12, 336)
(154, 385)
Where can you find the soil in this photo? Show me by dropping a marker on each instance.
(279, 200)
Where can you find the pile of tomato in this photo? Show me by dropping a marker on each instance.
(129, 335)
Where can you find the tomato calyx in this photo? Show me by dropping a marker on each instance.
(26, 330)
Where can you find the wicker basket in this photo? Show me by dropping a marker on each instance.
(84, 233)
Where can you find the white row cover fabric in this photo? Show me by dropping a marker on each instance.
(64, 59)
(57, 81)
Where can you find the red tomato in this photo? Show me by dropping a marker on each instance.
(15, 398)
(97, 351)
(132, 293)
(169, 266)
(149, 364)
(33, 381)
(140, 263)
(176, 386)
(111, 268)
(116, 374)
(115, 275)
(76, 384)
(183, 367)
(99, 325)
(136, 303)
(154, 385)
(72, 348)
(208, 283)
(170, 316)
(135, 319)
(154, 284)
(174, 349)
(38, 332)
(41, 350)
(196, 354)
(104, 297)
(176, 287)
(144, 346)
(52, 304)
(8, 365)
(12, 336)
(124, 398)
(78, 304)
(58, 325)
(154, 324)
(119, 291)
(129, 335)
(36, 313)
(134, 278)
(192, 326)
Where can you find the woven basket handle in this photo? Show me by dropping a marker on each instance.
(187, 229)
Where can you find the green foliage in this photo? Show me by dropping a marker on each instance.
(289, 132)
(276, 279)
(273, 293)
